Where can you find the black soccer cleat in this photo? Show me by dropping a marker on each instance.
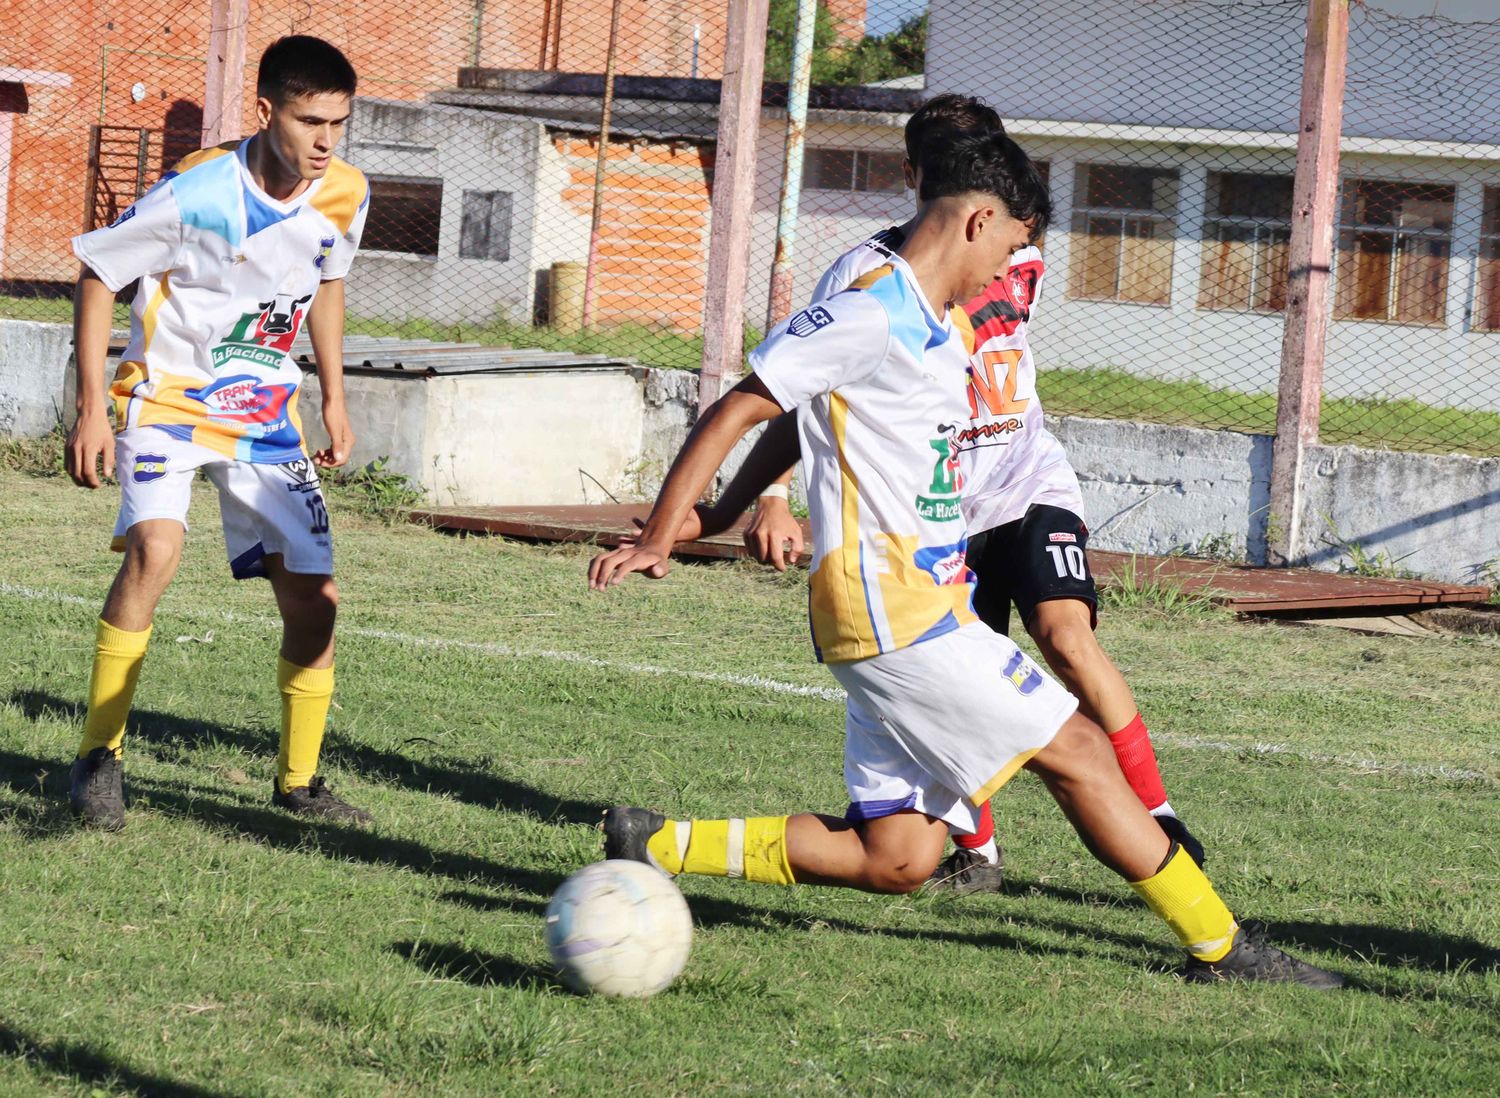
(966, 871)
(1177, 831)
(1254, 958)
(316, 801)
(96, 791)
(626, 831)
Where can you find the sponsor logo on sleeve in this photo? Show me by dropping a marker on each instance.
(149, 467)
(325, 249)
(1023, 674)
(124, 217)
(1062, 536)
(808, 321)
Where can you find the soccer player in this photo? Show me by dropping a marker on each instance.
(942, 711)
(235, 249)
(1022, 506)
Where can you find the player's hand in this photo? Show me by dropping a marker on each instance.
(89, 440)
(774, 535)
(340, 438)
(608, 569)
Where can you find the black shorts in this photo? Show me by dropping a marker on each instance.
(1038, 557)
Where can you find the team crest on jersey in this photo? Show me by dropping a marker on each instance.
(1023, 674)
(149, 467)
(1061, 535)
(940, 503)
(263, 338)
(325, 249)
(808, 321)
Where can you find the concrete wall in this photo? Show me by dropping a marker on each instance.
(34, 361)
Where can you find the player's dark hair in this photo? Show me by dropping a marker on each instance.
(988, 164)
(299, 65)
(945, 116)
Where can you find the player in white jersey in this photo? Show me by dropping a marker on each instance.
(942, 711)
(1022, 505)
(234, 250)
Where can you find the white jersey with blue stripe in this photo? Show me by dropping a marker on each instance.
(879, 381)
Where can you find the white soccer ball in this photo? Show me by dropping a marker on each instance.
(619, 928)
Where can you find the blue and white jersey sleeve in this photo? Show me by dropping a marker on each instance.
(846, 268)
(341, 258)
(144, 240)
(821, 348)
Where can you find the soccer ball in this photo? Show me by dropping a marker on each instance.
(619, 928)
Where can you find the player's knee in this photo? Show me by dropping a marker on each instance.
(898, 876)
(313, 602)
(1078, 752)
(152, 554)
(1065, 642)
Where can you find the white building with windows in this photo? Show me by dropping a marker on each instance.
(1167, 131)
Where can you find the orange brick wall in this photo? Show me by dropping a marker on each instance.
(653, 229)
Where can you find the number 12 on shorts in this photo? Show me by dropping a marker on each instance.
(1069, 561)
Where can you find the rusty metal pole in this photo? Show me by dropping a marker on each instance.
(605, 113)
(780, 301)
(224, 83)
(1309, 264)
(733, 200)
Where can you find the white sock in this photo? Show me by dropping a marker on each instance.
(989, 851)
(1164, 809)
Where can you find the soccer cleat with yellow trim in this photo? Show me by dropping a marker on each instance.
(96, 789)
(966, 871)
(626, 831)
(317, 801)
(1254, 958)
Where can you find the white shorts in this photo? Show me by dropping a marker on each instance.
(265, 508)
(940, 726)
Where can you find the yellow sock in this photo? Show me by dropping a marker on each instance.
(118, 656)
(305, 696)
(754, 848)
(1182, 898)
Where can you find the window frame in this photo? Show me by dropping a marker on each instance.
(434, 182)
(1264, 229)
(858, 159)
(1123, 215)
(1348, 230)
(1487, 267)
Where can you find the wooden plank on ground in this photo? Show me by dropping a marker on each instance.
(1237, 587)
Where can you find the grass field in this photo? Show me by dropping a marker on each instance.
(489, 707)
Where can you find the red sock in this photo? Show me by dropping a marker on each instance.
(1132, 746)
(986, 830)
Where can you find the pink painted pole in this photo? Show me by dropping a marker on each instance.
(224, 85)
(733, 200)
(606, 113)
(1310, 263)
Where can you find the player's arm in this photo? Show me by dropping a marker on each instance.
(325, 330)
(91, 438)
(774, 535)
(709, 443)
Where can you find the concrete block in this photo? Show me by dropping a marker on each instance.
(34, 362)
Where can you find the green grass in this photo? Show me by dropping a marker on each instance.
(217, 948)
(1390, 424)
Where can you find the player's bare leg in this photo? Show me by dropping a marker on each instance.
(153, 550)
(309, 608)
(1064, 634)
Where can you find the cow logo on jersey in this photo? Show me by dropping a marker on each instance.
(941, 501)
(149, 467)
(808, 321)
(263, 338)
(325, 249)
(246, 400)
(1022, 674)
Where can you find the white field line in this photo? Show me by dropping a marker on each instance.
(1356, 763)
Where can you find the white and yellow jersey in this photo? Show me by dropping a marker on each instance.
(1010, 459)
(878, 382)
(227, 274)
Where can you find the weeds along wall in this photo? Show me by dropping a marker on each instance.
(1167, 131)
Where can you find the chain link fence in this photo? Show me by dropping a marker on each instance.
(1168, 131)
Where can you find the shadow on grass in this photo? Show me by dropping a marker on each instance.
(451, 961)
(1392, 947)
(453, 777)
(88, 1066)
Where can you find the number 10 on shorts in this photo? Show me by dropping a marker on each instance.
(1069, 561)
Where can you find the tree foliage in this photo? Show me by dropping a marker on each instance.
(835, 61)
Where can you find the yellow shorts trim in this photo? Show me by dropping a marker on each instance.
(1006, 773)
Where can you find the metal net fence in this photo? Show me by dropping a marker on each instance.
(542, 175)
